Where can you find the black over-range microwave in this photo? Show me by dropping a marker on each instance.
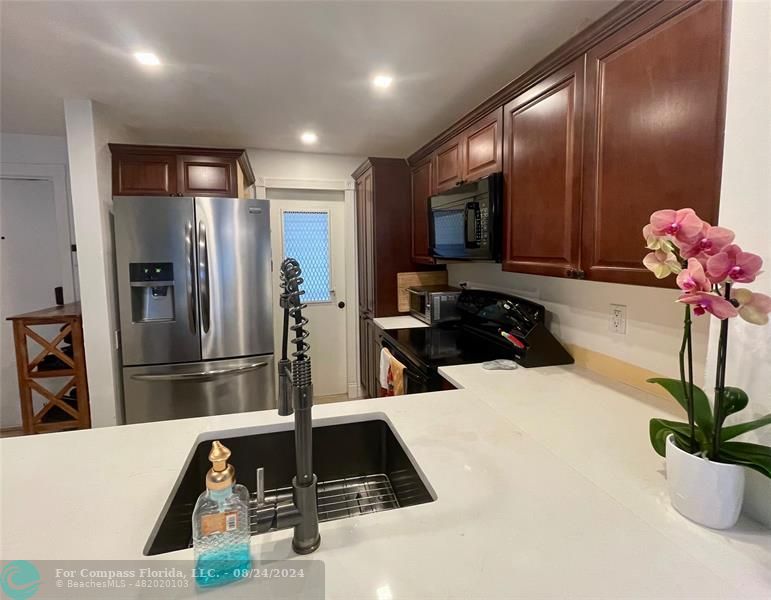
(465, 222)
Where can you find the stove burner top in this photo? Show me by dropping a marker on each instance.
(444, 346)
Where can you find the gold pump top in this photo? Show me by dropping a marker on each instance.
(221, 475)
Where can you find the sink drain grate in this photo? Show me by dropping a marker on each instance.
(341, 498)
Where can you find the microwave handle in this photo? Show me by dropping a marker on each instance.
(470, 225)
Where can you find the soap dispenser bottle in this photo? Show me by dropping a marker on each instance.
(221, 525)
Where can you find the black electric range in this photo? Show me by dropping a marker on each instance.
(476, 338)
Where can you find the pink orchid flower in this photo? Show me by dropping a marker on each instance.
(734, 264)
(704, 302)
(662, 263)
(683, 225)
(753, 307)
(693, 279)
(710, 241)
(655, 242)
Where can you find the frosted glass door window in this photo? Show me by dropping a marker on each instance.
(306, 238)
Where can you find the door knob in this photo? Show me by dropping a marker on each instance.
(341, 304)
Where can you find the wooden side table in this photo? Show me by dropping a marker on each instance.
(62, 409)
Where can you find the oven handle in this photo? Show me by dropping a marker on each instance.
(470, 224)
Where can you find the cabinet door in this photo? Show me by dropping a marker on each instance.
(448, 165)
(144, 175)
(482, 150)
(365, 230)
(207, 176)
(374, 357)
(363, 353)
(369, 240)
(421, 190)
(361, 244)
(542, 208)
(655, 100)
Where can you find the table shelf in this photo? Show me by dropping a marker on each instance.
(67, 408)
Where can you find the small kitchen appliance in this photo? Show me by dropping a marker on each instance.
(465, 222)
(434, 304)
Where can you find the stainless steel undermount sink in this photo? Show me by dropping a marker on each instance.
(361, 463)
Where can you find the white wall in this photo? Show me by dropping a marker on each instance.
(33, 149)
(309, 171)
(580, 313)
(302, 165)
(745, 207)
(89, 129)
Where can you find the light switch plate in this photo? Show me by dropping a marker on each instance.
(618, 319)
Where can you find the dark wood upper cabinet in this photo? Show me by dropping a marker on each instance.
(481, 144)
(448, 167)
(624, 119)
(542, 174)
(144, 175)
(207, 176)
(472, 154)
(655, 120)
(382, 211)
(422, 189)
(179, 171)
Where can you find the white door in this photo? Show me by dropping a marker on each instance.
(30, 269)
(313, 232)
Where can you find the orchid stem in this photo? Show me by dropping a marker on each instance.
(722, 359)
(688, 387)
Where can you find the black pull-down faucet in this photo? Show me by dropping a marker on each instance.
(295, 395)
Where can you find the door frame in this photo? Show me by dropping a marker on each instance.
(57, 175)
(351, 299)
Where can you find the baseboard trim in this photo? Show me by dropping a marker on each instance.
(7, 432)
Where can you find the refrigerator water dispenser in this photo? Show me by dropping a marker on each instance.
(152, 292)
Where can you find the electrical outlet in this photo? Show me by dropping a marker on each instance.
(618, 319)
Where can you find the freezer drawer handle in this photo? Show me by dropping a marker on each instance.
(201, 375)
(191, 318)
(203, 259)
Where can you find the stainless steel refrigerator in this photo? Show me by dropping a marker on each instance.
(194, 290)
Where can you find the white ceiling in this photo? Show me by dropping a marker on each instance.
(256, 74)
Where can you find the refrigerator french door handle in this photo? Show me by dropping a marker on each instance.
(190, 254)
(200, 375)
(203, 275)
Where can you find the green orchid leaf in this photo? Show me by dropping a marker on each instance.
(754, 456)
(733, 431)
(734, 400)
(661, 428)
(702, 412)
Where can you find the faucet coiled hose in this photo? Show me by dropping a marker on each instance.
(291, 278)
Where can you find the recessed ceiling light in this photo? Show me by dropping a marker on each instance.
(382, 81)
(308, 137)
(147, 58)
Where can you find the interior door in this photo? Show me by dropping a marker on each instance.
(234, 280)
(29, 271)
(313, 232)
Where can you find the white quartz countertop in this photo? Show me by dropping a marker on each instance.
(546, 488)
(403, 322)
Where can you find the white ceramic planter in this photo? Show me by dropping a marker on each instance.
(709, 493)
